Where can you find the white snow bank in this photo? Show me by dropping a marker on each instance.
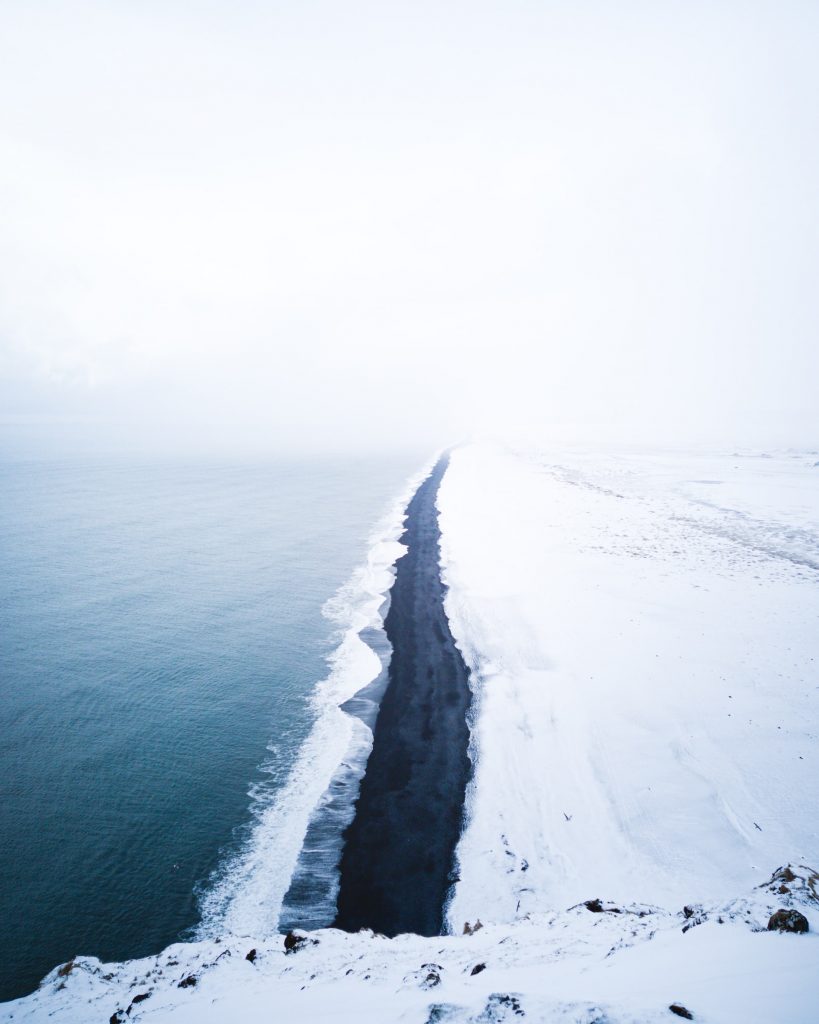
(644, 637)
(622, 966)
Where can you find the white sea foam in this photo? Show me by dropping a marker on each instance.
(246, 896)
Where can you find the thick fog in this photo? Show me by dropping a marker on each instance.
(262, 227)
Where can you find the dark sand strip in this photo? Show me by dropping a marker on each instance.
(398, 858)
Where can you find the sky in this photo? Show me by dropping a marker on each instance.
(275, 227)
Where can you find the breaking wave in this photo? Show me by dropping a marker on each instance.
(286, 871)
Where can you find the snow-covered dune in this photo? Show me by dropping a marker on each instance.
(643, 632)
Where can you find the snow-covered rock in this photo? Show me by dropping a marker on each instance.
(614, 964)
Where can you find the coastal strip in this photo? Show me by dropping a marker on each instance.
(397, 865)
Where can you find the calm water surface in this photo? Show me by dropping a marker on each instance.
(160, 626)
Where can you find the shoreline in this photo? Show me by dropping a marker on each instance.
(397, 863)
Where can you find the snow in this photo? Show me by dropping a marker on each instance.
(571, 966)
(642, 631)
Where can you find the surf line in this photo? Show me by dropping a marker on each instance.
(398, 858)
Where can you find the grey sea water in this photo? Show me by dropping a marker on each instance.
(161, 630)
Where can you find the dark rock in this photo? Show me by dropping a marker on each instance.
(433, 975)
(188, 982)
(596, 907)
(440, 1012)
(681, 1011)
(788, 921)
(694, 915)
(117, 1017)
(293, 942)
(499, 1005)
(478, 968)
(798, 882)
(251, 956)
(66, 969)
(136, 1000)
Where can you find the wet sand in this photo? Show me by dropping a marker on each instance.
(398, 858)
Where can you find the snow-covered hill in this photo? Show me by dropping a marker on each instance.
(643, 635)
(606, 965)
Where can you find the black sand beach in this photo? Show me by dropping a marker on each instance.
(398, 858)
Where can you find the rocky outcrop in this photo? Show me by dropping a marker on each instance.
(599, 907)
(680, 1011)
(294, 941)
(788, 921)
(794, 880)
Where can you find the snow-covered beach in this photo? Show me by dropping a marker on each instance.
(645, 633)
(641, 631)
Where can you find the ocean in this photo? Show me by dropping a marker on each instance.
(163, 628)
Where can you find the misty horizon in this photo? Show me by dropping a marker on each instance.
(312, 229)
